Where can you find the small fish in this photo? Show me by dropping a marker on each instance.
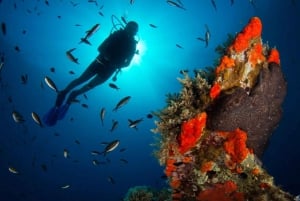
(77, 142)
(47, 2)
(252, 3)
(177, 4)
(52, 70)
(122, 102)
(84, 105)
(1, 66)
(153, 26)
(111, 146)
(65, 186)
(96, 162)
(149, 116)
(100, 13)
(134, 123)
(85, 40)
(123, 149)
(44, 167)
(206, 37)
(71, 56)
(231, 2)
(102, 115)
(71, 72)
(131, 2)
(114, 125)
(213, 2)
(91, 31)
(74, 4)
(93, 1)
(113, 86)
(66, 153)
(3, 28)
(17, 48)
(179, 46)
(50, 83)
(36, 119)
(24, 79)
(111, 180)
(56, 134)
(13, 170)
(124, 20)
(85, 96)
(95, 153)
(18, 118)
(124, 160)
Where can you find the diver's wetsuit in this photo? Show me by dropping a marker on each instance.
(115, 52)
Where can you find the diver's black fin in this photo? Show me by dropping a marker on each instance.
(50, 118)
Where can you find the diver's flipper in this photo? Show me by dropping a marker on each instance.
(50, 118)
(63, 111)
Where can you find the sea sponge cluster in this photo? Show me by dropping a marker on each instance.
(204, 133)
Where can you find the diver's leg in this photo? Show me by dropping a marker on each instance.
(86, 75)
(97, 80)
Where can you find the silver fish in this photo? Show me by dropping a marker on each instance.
(122, 102)
(13, 170)
(36, 119)
(206, 37)
(177, 4)
(114, 125)
(91, 31)
(95, 162)
(50, 83)
(111, 180)
(113, 86)
(66, 153)
(95, 153)
(134, 123)
(65, 186)
(71, 56)
(111, 146)
(102, 115)
(1, 66)
(18, 118)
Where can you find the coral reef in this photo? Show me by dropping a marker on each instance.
(212, 132)
(145, 193)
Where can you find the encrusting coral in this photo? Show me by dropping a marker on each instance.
(205, 129)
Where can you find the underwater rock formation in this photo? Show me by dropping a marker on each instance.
(211, 133)
(257, 113)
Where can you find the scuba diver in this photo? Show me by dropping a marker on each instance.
(115, 52)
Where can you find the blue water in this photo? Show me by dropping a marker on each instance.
(44, 33)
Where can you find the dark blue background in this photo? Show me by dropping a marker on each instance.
(51, 31)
